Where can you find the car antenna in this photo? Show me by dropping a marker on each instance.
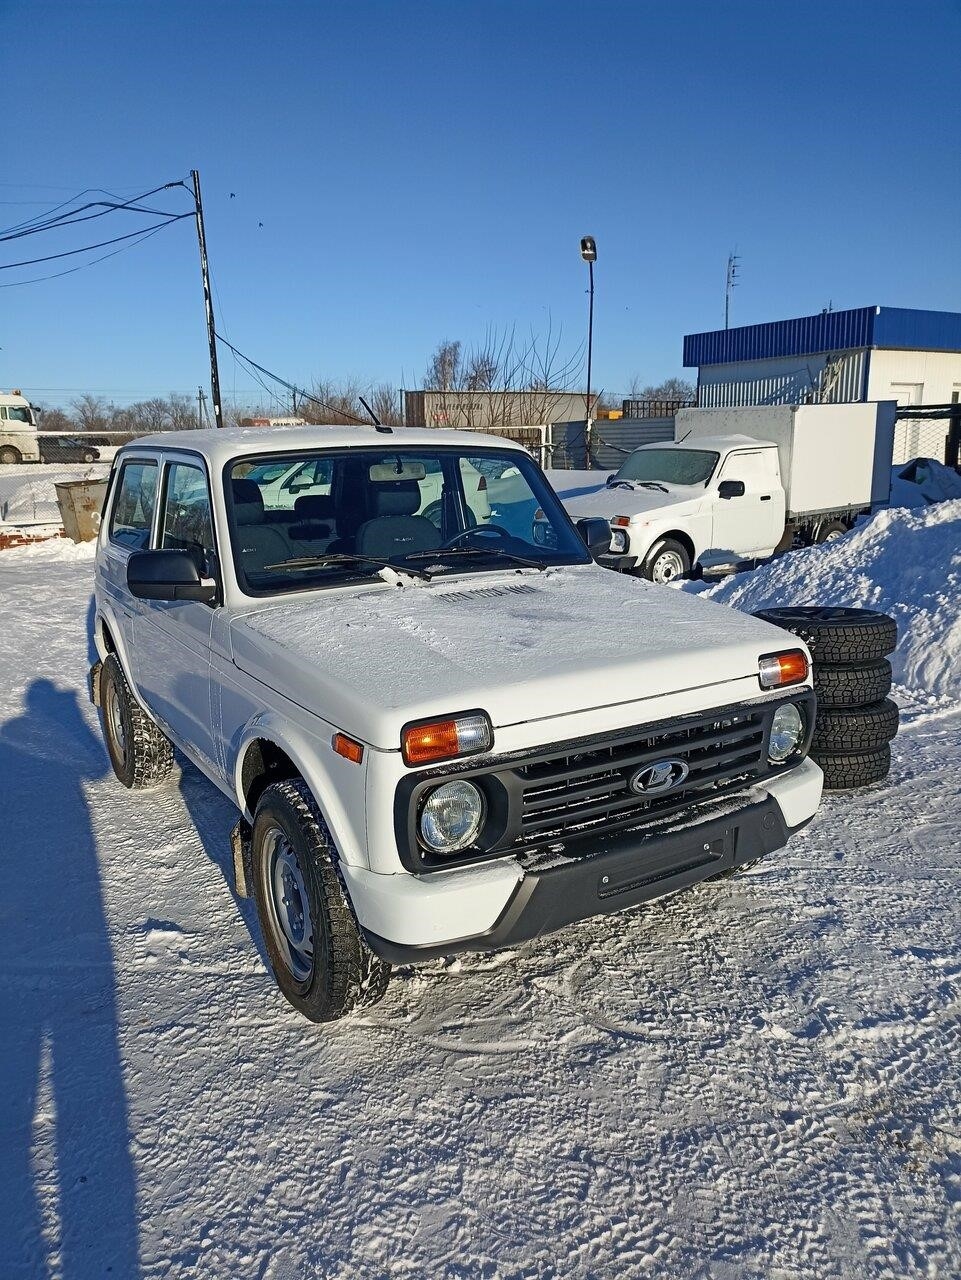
(388, 431)
(684, 436)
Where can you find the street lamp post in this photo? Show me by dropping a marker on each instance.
(589, 254)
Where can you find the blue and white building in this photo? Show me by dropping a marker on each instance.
(871, 353)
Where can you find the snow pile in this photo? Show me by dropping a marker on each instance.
(27, 493)
(922, 481)
(903, 562)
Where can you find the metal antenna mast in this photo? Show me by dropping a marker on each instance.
(732, 268)
(208, 302)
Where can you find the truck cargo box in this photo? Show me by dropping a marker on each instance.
(833, 457)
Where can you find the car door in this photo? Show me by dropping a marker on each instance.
(751, 523)
(172, 637)
(130, 521)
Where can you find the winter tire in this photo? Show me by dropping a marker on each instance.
(838, 635)
(319, 959)
(9, 456)
(852, 686)
(666, 561)
(855, 728)
(854, 769)
(140, 754)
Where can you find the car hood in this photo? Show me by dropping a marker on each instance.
(607, 503)
(521, 646)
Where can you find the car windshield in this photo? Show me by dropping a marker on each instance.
(668, 466)
(325, 517)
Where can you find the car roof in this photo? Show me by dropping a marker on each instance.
(231, 442)
(716, 444)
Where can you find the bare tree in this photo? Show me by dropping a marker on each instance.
(56, 420)
(669, 389)
(91, 413)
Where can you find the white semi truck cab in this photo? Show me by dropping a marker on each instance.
(740, 484)
(18, 429)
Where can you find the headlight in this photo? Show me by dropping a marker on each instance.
(787, 730)
(618, 541)
(451, 816)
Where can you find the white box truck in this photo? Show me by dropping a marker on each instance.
(739, 484)
(18, 430)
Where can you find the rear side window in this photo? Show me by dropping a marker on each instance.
(186, 523)
(132, 516)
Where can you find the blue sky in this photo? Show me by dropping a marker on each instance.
(424, 170)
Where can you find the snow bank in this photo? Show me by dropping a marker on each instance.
(27, 493)
(53, 550)
(923, 481)
(906, 562)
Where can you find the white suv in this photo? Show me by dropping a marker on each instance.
(441, 734)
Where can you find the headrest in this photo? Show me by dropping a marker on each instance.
(314, 506)
(248, 502)
(401, 498)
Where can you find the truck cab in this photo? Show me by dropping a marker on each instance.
(18, 430)
(444, 727)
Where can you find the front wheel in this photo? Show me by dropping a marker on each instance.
(9, 456)
(318, 956)
(666, 561)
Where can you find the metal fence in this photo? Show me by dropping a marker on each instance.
(654, 408)
(610, 443)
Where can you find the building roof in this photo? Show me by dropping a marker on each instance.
(831, 331)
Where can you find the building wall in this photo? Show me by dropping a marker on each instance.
(490, 409)
(915, 377)
(784, 380)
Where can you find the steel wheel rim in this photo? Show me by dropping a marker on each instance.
(288, 905)
(667, 567)
(115, 717)
(833, 535)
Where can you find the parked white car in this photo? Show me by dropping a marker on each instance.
(439, 736)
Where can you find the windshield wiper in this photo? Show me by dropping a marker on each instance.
(474, 551)
(654, 484)
(345, 557)
(621, 484)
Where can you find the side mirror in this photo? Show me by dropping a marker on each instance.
(168, 575)
(610, 478)
(597, 534)
(731, 489)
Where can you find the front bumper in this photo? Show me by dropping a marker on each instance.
(619, 563)
(628, 868)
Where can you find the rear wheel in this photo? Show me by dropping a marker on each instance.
(666, 561)
(319, 958)
(830, 531)
(140, 753)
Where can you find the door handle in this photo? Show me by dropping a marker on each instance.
(765, 497)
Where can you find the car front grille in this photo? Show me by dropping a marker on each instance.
(571, 793)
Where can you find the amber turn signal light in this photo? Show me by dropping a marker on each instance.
(446, 739)
(348, 748)
(776, 670)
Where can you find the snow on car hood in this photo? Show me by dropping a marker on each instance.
(521, 646)
(606, 502)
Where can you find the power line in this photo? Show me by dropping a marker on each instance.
(289, 385)
(55, 275)
(68, 253)
(46, 222)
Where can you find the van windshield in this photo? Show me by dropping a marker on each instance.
(322, 518)
(669, 466)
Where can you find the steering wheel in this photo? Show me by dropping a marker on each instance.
(479, 529)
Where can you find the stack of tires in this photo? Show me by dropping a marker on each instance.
(856, 720)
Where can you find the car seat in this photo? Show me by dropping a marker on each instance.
(395, 530)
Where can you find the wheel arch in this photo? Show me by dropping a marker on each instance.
(272, 748)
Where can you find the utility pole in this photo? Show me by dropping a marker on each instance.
(732, 265)
(208, 302)
(589, 254)
(201, 407)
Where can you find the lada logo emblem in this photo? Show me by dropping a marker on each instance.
(663, 775)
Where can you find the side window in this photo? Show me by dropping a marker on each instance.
(755, 469)
(132, 515)
(186, 523)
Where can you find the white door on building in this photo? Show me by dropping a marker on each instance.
(907, 431)
(907, 392)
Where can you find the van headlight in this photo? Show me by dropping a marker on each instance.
(451, 816)
(787, 733)
(618, 541)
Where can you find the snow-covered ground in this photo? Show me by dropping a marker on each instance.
(758, 1079)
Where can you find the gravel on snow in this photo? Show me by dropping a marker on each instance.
(758, 1078)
